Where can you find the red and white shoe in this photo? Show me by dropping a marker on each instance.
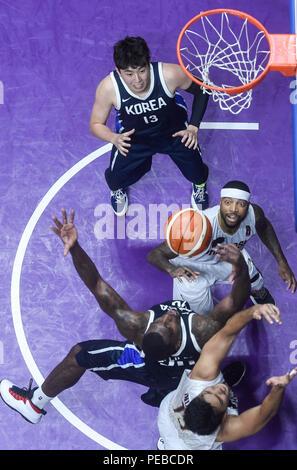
(19, 399)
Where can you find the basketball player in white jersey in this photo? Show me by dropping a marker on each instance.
(235, 221)
(199, 414)
(151, 118)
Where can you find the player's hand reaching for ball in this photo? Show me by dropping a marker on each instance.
(66, 230)
(181, 272)
(231, 254)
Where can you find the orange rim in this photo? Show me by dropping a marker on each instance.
(240, 14)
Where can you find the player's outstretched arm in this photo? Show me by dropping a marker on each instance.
(127, 321)
(253, 420)
(240, 291)
(268, 236)
(160, 256)
(215, 350)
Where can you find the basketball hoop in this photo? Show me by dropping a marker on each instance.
(229, 52)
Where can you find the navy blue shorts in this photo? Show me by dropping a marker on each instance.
(121, 360)
(124, 171)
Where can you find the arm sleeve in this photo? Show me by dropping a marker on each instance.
(199, 104)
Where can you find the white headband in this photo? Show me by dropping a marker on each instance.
(235, 193)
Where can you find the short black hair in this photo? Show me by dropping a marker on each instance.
(201, 418)
(131, 52)
(154, 346)
(237, 185)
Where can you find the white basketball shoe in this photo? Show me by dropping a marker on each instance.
(20, 400)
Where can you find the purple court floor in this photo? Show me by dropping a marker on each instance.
(53, 55)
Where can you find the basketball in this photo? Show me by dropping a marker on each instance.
(187, 232)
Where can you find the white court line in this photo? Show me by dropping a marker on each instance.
(15, 298)
(231, 126)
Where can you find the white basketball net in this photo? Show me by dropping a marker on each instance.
(237, 52)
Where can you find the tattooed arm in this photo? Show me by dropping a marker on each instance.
(129, 323)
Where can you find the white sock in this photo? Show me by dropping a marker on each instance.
(40, 399)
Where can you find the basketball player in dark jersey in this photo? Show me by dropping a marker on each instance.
(160, 342)
(151, 118)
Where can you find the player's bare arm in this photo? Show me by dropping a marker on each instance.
(160, 256)
(268, 236)
(254, 419)
(203, 328)
(215, 350)
(175, 78)
(130, 324)
(104, 101)
(240, 291)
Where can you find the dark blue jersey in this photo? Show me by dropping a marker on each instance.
(189, 350)
(159, 112)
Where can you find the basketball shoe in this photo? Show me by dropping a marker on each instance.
(119, 202)
(262, 296)
(199, 197)
(20, 400)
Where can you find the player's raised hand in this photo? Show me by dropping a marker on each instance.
(65, 230)
(283, 380)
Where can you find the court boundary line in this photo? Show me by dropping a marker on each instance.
(15, 299)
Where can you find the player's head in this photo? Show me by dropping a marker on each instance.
(234, 203)
(205, 412)
(162, 338)
(131, 52)
(132, 60)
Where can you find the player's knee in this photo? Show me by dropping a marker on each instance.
(71, 356)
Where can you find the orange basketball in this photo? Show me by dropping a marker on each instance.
(187, 232)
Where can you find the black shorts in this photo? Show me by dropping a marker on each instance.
(121, 360)
(126, 170)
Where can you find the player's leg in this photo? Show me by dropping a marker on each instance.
(125, 362)
(30, 402)
(123, 172)
(259, 293)
(191, 165)
(109, 359)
